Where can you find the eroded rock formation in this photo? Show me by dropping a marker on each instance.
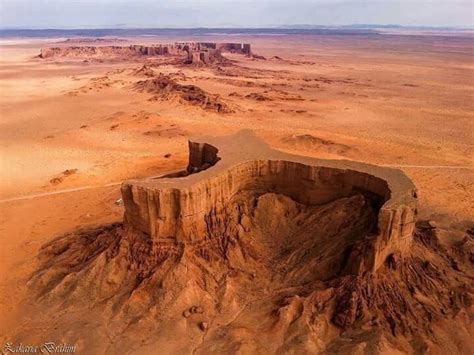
(163, 87)
(278, 252)
(162, 212)
(198, 53)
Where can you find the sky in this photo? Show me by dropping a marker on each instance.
(231, 13)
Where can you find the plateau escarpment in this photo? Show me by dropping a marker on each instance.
(276, 251)
(199, 53)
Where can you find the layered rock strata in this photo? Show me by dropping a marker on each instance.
(191, 52)
(281, 253)
(177, 209)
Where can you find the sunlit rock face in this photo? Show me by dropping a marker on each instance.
(201, 53)
(179, 209)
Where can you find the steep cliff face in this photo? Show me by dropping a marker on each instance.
(199, 53)
(201, 156)
(240, 48)
(162, 210)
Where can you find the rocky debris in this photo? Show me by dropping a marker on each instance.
(197, 310)
(243, 72)
(170, 132)
(257, 97)
(278, 94)
(164, 88)
(258, 57)
(203, 326)
(56, 180)
(193, 310)
(144, 70)
(60, 178)
(240, 48)
(97, 84)
(68, 172)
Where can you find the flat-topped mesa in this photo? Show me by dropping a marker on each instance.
(189, 209)
(193, 52)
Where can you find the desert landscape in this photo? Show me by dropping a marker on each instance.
(208, 192)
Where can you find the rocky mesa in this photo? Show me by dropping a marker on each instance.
(255, 250)
(204, 53)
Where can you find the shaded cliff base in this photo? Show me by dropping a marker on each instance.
(267, 276)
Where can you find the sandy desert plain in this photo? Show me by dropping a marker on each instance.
(71, 130)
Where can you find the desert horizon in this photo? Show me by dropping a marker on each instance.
(210, 190)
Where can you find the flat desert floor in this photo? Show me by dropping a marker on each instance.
(72, 131)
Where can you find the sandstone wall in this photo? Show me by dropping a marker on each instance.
(241, 48)
(205, 52)
(201, 156)
(167, 212)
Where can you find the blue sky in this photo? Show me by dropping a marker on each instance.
(231, 13)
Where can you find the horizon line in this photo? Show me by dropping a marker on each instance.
(230, 27)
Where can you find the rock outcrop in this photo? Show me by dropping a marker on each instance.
(239, 48)
(144, 71)
(198, 53)
(165, 88)
(201, 156)
(89, 40)
(279, 253)
(177, 208)
(102, 51)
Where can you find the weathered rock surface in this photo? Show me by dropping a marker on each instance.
(163, 87)
(282, 253)
(198, 53)
(89, 40)
(144, 71)
(240, 48)
(177, 208)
